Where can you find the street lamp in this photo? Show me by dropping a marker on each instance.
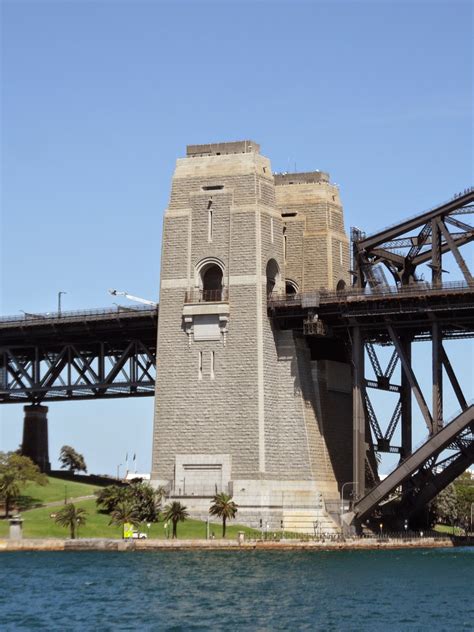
(59, 301)
(118, 470)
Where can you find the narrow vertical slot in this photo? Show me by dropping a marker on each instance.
(213, 362)
(209, 221)
(200, 366)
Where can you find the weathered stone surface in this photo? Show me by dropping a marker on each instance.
(245, 410)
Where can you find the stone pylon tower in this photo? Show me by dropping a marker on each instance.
(240, 406)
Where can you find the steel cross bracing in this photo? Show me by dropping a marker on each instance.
(420, 240)
(423, 474)
(78, 355)
(372, 314)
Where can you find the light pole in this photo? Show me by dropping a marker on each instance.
(118, 470)
(59, 301)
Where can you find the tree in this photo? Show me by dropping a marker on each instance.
(72, 460)
(108, 498)
(223, 507)
(71, 517)
(453, 504)
(464, 485)
(175, 512)
(124, 513)
(15, 471)
(445, 505)
(140, 495)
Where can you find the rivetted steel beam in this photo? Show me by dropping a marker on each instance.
(410, 224)
(437, 374)
(457, 255)
(453, 379)
(406, 365)
(358, 402)
(436, 444)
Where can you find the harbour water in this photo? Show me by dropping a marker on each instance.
(398, 590)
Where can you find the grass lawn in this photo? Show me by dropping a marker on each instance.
(38, 524)
(446, 528)
(56, 489)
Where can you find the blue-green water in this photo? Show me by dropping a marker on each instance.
(262, 590)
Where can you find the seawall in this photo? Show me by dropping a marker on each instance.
(102, 544)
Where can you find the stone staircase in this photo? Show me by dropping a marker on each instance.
(305, 512)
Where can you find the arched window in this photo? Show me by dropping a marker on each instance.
(273, 276)
(290, 287)
(211, 277)
(341, 286)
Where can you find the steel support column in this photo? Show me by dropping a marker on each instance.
(436, 263)
(406, 403)
(437, 373)
(358, 428)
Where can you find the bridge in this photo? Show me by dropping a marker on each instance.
(111, 353)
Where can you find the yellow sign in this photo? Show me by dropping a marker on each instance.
(128, 530)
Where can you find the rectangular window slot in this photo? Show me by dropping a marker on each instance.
(200, 366)
(294, 214)
(213, 187)
(209, 225)
(213, 361)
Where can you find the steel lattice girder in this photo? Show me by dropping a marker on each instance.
(36, 374)
(424, 467)
(433, 230)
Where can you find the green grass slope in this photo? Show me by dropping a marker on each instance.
(38, 523)
(56, 490)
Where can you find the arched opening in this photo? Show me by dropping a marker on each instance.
(341, 286)
(290, 287)
(273, 276)
(212, 283)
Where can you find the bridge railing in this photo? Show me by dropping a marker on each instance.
(206, 296)
(75, 314)
(353, 294)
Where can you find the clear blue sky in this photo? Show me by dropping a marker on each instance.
(100, 98)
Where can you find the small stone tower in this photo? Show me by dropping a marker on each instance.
(242, 407)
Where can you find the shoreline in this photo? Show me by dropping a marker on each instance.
(103, 544)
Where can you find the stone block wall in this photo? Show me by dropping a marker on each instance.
(245, 407)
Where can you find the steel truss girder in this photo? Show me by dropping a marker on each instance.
(422, 475)
(379, 437)
(36, 374)
(377, 248)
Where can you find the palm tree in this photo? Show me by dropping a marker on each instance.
(223, 507)
(175, 512)
(124, 514)
(109, 497)
(72, 517)
(9, 490)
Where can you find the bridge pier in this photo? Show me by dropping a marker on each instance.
(35, 436)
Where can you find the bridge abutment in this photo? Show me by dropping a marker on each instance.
(35, 436)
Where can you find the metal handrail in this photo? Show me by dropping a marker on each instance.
(65, 315)
(206, 296)
(331, 296)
